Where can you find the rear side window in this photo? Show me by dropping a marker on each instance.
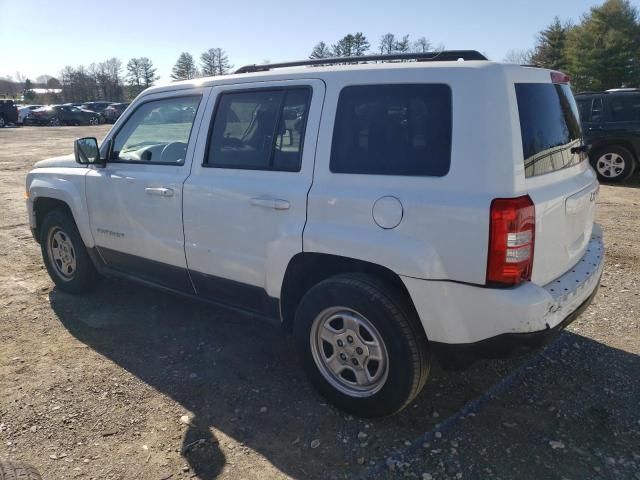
(259, 130)
(393, 130)
(625, 108)
(549, 127)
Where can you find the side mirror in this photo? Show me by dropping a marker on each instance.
(86, 151)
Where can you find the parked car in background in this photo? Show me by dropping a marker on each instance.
(24, 111)
(113, 112)
(8, 113)
(56, 115)
(611, 125)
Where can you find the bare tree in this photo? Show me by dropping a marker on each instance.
(422, 45)
(387, 43)
(521, 57)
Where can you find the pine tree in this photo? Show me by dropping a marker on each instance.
(133, 77)
(321, 50)
(344, 47)
(185, 68)
(603, 50)
(550, 49)
(360, 44)
(27, 92)
(402, 46)
(147, 72)
(214, 62)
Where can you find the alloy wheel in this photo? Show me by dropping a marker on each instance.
(610, 165)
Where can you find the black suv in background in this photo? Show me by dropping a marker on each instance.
(611, 125)
(8, 112)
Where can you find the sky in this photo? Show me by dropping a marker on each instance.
(40, 37)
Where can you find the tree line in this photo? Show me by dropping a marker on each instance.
(357, 45)
(213, 62)
(601, 51)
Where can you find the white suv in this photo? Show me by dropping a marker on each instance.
(384, 212)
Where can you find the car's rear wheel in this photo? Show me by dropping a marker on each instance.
(613, 164)
(3, 122)
(94, 121)
(65, 254)
(362, 344)
(55, 122)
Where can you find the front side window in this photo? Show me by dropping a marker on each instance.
(584, 107)
(596, 110)
(393, 130)
(157, 132)
(259, 130)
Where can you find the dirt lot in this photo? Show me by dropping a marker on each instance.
(132, 383)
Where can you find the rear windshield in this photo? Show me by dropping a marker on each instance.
(550, 127)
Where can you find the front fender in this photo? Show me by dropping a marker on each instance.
(66, 185)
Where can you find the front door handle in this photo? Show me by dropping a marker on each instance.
(159, 191)
(268, 202)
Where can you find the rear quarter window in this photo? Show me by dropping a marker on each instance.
(399, 129)
(549, 126)
(625, 108)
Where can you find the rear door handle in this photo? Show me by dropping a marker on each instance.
(159, 191)
(268, 202)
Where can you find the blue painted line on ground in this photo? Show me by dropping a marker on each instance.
(474, 406)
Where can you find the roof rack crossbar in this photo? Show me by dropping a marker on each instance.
(441, 56)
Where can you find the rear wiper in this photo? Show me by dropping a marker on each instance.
(581, 149)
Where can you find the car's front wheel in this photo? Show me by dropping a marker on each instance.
(613, 164)
(55, 122)
(3, 122)
(362, 344)
(94, 121)
(65, 254)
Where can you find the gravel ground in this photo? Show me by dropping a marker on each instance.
(132, 383)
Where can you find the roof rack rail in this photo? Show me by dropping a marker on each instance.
(441, 56)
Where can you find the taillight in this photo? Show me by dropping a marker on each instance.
(559, 77)
(511, 241)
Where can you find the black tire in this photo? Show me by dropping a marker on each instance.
(18, 471)
(611, 174)
(396, 321)
(84, 276)
(3, 121)
(55, 122)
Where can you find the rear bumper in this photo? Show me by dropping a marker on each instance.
(506, 345)
(470, 321)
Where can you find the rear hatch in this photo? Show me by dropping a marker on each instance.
(558, 178)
